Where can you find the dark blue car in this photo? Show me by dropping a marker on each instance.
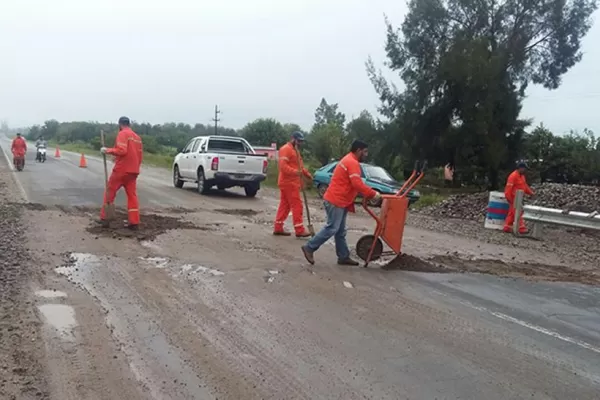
(372, 175)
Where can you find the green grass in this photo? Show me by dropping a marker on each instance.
(154, 160)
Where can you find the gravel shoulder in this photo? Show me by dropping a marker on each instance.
(22, 369)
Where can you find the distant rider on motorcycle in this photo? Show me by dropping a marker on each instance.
(18, 148)
(40, 144)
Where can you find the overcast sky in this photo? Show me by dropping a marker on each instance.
(159, 60)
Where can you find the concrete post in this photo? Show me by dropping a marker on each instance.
(518, 211)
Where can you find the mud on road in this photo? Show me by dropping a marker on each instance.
(22, 374)
(457, 264)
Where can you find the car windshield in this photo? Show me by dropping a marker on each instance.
(379, 173)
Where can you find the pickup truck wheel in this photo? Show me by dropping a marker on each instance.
(251, 191)
(177, 182)
(322, 188)
(202, 186)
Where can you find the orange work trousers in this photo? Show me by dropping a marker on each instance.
(289, 200)
(510, 220)
(129, 183)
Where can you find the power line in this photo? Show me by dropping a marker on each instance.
(216, 119)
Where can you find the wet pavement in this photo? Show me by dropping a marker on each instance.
(233, 313)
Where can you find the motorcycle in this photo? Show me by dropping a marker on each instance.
(19, 163)
(41, 155)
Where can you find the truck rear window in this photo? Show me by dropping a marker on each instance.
(227, 145)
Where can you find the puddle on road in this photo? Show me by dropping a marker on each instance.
(189, 270)
(157, 262)
(50, 294)
(61, 317)
(151, 357)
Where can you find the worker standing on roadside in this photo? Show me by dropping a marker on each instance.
(18, 147)
(516, 181)
(128, 152)
(291, 173)
(346, 184)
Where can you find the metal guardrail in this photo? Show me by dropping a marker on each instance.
(551, 216)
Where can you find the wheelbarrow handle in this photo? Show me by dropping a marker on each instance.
(365, 205)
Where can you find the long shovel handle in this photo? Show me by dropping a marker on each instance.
(104, 159)
(302, 187)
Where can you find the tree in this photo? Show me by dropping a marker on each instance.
(466, 65)
(265, 131)
(327, 139)
(328, 114)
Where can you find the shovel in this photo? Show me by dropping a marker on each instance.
(109, 207)
(311, 229)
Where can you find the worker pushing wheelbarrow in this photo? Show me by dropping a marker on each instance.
(389, 224)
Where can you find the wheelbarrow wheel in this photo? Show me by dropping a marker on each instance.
(363, 246)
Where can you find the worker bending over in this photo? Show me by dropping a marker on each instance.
(346, 184)
(291, 173)
(128, 158)
(516, 181)
(18, 148)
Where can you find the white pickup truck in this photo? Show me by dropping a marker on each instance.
(221, 161)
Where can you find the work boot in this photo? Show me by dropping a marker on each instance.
(281, 233)
(348, 261)
(507, 229)
(303, 234)
(308, 255)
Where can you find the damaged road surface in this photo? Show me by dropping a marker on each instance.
(206, 304)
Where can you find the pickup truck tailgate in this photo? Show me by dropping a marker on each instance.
(241, 164)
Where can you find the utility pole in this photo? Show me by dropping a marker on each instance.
(216, 119)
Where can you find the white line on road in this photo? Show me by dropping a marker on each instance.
(536, 328)
(17, 181)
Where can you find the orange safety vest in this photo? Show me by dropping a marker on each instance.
(346, 183)
(515, 182)
(290, 163)
(19, 146)
(128, 151)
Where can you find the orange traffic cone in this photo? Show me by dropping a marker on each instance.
(57, 153)
(82, 162)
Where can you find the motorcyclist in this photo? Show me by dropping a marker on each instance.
(40, 144)
(18, 148)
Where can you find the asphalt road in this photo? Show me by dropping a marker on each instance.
(230, 331)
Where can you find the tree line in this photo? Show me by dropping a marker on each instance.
(465, 67)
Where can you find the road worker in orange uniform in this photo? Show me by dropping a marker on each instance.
(346, 183)
(18, 147)
(291, 173)
(128, 158)
(516, 181)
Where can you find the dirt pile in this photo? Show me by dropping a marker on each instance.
(565, 197)
(151, 226)
(456, 264)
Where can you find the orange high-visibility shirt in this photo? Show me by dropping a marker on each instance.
(128, 151)
(290, 164)
(346, 183)
(515, 182)
(19, 146)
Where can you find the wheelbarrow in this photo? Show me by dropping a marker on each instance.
(389, 224)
